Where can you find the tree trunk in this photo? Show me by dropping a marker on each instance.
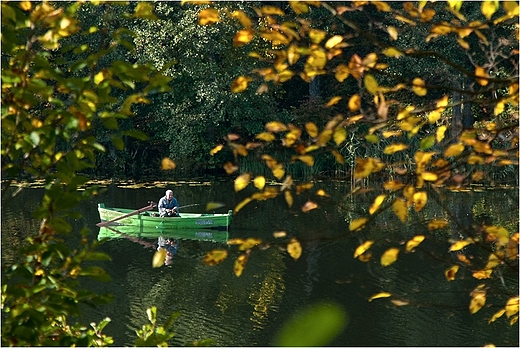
(456, 120)
(314, 88)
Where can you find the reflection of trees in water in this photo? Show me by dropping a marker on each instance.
(268, 297)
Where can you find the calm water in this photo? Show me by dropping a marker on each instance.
(248, 310)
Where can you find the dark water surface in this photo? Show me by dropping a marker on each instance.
(248, 310)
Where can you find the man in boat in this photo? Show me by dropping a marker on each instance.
(168, 205)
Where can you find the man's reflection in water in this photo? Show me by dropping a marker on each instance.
(170, 245)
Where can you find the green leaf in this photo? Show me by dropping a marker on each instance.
(315, 325)
(136, 134)
(144, 10)
(427, 142)
(118, 142)
(98, 256)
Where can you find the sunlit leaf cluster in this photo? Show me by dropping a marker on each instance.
(409, 113)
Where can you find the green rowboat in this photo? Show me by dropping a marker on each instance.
(142, 223)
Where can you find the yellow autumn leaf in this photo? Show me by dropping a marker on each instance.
(158, 258)
(294, 248)
(299, 7)
(482, 274)
(308, 206)
(429, 176)
(230, 168)
(311, 129)
(322, 193)
(259, 182)
(242, 181)
(488, 8)
(275, 37)
(436, 224)
(208, 16)
(249, 243)
(25, 5)
(419, 87)
(463, 43)
(354, 103)
(279, 234)
(392, 52)
(434, 116)
(364, 167)
(511, 7)
(399, 303)
(377, 203)
(240, 264)
(392, 31)
(214, 205)
(497, 234)
(391, 149)
(333, 101)
(379, 295)
(272, 10)
(167, 164)
(454, 150)
(439, 134)
(214, 257)
(243, 37)
(242, 204)
(278, 171)
(333, 41)
(389, 256)
(450, 273)
(494, 260)
(341, 72)
(275, 127)
(216, 149)
(339, 136)
(242, 18)
(240, 84)
(370, 60)
(400, 209)
(511, 306)
(499, 108)
(419, 200)
(478, 300)
(371, 84)
(339, 157)
(265, 136)
(317, 36)
(307, 159)
(460, 244)
(414, 242)
(288, 198)
(358, 224)
(481, 76)
(393, 185)
(496, 315)
(363, 247)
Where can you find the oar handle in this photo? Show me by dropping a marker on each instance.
(149, 207)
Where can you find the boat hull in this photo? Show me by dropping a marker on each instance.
(145, 225)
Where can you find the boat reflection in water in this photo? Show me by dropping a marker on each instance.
(167, 240)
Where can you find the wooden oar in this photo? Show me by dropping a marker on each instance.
(138, 211)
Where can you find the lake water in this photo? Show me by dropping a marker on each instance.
(249, 310)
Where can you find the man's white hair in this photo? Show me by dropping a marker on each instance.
(168, 191)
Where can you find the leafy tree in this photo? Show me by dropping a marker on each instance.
(399, 102)
(50, 104)
(200, 109)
